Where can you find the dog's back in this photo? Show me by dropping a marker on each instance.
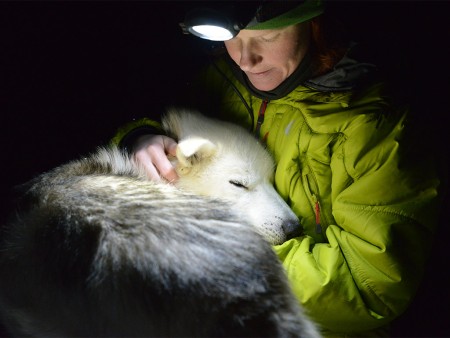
(97, 250)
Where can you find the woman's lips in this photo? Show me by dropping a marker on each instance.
(258, 73)
(262, 80)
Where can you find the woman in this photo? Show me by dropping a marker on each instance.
(367, 209)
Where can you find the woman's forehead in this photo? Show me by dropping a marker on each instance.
(264, 32)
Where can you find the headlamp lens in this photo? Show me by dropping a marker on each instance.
(213, 33)
(209, 24)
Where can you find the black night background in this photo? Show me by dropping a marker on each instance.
(72, 72)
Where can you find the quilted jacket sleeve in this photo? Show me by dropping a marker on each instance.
(128, 133)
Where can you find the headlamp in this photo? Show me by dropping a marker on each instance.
(211, 24)
(221, 25)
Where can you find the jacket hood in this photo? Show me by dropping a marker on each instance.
(346, 75)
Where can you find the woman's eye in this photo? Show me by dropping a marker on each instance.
(269, 38)
(238, 184)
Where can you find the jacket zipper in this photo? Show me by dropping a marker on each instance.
(312, 192)
(317, 214)
(259, 122)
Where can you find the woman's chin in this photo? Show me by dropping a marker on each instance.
(265, 87)
(263, 84)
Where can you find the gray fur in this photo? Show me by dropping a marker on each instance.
(95, 249)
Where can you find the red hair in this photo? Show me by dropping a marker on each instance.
(327, 45)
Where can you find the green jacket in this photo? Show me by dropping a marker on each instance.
(368, 211)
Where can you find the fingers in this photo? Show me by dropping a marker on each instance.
(142, 158)
(170, 145)
(152, 154)
(162, 163)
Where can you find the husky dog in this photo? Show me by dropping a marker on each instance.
(96, 249)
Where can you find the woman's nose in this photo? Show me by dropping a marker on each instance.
(249, 58)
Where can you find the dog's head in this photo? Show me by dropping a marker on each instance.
(224, 161)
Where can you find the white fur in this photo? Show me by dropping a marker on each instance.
(237, 169)
(96, 249)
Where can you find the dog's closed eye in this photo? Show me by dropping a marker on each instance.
(238, 184)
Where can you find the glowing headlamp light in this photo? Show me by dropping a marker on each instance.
(210, 32)
(210, 24)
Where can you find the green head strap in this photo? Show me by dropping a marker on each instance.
(301, 13)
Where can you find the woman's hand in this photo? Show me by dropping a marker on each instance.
(151, 151)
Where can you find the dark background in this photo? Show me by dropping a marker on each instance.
(72, 72)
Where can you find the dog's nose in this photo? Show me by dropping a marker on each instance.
(292, 229)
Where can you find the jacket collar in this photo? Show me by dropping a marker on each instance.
(345, 76)
(298, 77)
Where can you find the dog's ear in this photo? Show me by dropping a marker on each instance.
(194, 150)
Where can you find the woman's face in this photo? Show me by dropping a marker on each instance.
(268, 57)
